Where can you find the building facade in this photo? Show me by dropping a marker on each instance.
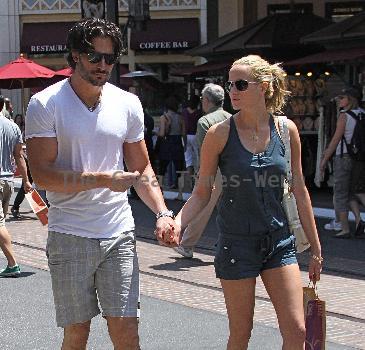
(38, 29)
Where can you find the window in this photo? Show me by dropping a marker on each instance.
(338, 11)
(286, 8)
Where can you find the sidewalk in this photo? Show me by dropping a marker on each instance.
(192, 283)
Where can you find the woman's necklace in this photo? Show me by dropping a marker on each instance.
(90, 108)
(254, 136)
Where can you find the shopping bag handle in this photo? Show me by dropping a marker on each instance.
(313, 284)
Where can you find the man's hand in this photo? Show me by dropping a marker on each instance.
(27, 187)
(165, 232)
(120, 180)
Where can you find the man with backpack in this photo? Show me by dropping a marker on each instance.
(348, 144)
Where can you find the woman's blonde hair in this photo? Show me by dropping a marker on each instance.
(261, 70)
(353, 103)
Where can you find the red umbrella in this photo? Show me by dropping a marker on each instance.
(66, 72)
(23, 73)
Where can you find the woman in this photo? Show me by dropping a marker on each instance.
(344, 166)
(191, 115)
(171, 149)
(19, 120)
(253, 231)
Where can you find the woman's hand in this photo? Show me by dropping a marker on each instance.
(322, 165)
(315, 268)
(165, 232)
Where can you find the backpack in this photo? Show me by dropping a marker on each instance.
(356, 147)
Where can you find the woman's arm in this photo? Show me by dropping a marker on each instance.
(212, 146)
(304, 204)
(163, 126)
(337, 137)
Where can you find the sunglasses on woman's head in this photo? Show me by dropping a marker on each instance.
(241, 85)
(96, 57)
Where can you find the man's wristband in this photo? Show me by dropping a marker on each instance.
(165, 213)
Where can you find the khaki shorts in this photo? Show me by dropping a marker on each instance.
(342, 180)
(6, 190)
(85, 271)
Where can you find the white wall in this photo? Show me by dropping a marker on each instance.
(9, 43)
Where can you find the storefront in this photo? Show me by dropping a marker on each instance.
(160, 48)
(316, 80)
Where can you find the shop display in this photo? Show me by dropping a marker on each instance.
(305, 102)
(305, 108)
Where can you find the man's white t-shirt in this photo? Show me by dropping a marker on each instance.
(90, 142)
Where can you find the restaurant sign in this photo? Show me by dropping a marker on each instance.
(48, 48)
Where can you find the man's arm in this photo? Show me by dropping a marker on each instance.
(18, 155)
(148, 189)
(42, 154)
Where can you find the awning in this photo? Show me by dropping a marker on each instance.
(330, 56)
(167, 34)
(203, 68)
(44, 38)
(349, 29)
(275, 32)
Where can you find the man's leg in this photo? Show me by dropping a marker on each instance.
(6, 189)
(123, 332)
(19, 197)
(5, 245)
(72, 263)
(117, 283)
(75, 336)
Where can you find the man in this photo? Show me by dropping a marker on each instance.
(78, 133)
(10, 147)
(212, 99)
(7, 109)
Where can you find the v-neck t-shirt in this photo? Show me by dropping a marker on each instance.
(87, 142)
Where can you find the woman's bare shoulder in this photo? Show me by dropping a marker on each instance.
(219, 133)
(220, 129)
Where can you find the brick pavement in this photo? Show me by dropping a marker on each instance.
(192, 283)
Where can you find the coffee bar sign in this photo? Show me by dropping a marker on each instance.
(167, 34)
(163, 45)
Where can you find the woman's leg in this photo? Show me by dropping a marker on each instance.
(355, 208)
(179, 167)
(161, 171)
(344, 219)
(361, 198)
(284, 286)
(239, 296)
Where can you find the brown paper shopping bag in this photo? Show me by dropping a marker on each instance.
(315, 319)
(38, 206)
(309, 293)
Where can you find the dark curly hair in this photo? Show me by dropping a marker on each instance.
(82, 33)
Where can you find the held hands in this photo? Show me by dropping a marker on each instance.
(167, 232)
(120, 181)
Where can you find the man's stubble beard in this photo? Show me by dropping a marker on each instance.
(86, 75)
